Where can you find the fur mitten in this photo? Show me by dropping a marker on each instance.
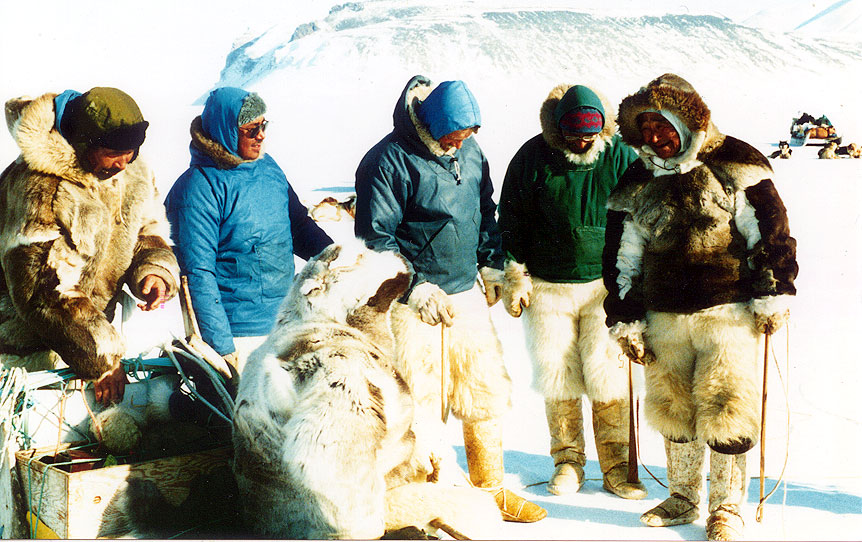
(517, 289)
(492, 283)
(432, 304)
(629, 335)
(770, 312)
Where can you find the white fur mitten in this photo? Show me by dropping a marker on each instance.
(432, 304)
(492, 282)
(770, 313)
(629, 335)
(517, 289)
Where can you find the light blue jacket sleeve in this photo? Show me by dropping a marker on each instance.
(194, 208)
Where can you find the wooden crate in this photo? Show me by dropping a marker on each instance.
(77, 505)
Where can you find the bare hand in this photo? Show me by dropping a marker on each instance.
(154, 289)
(110, 386)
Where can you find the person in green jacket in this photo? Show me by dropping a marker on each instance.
(552, 219)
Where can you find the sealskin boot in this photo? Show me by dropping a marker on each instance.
(727, 486)
(566, 426)
(611, 428)
(483, 444)
(685, 478)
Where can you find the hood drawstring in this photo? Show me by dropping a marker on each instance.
(457, 170)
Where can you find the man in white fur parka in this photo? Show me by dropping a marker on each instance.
(80, 218)
(698, 262)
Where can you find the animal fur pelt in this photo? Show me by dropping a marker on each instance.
(322, 428)
(330, 209)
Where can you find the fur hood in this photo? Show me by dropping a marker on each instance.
(208, 148)
(31, 123)
(736, 163)
(414, 97)
(554, 137)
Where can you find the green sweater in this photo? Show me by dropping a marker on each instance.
(552, 211)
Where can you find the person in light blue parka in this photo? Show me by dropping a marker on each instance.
(425, 191)
(237, 223)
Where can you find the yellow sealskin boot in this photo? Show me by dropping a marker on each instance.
(483, 444)
(611, 428)
(566, 426)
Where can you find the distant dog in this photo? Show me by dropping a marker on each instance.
(828, 151)
(323, 445)
(784, 151)
(331, 210)
(852, 150)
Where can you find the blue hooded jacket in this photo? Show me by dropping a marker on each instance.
(236, 225)
(435, 208)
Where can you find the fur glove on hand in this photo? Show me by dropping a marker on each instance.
(517, 289)
(492, 283)
(770, 313)
(432, 304)
(629, 335)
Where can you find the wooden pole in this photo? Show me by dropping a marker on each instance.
(763, 424)
(632, 475)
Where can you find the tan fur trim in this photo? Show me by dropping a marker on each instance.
(417, 95)
(42, 147)
(554, 137)
(215, 150)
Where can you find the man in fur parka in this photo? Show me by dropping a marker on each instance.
(424, 191)
(698, 261)
(79, 219)
(552, 221)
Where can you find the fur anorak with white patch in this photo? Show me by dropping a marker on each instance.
(697, 248)
(703, 228)
(69, 242)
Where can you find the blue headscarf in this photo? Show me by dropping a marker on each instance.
(60, 103)
(450, 107)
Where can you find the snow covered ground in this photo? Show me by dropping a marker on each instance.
(331, 94)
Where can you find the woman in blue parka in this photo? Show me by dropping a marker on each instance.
(237, 223)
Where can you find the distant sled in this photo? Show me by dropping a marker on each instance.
(806, 130)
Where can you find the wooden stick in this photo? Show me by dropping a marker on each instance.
(763, 425)
(632, 475)
(444, 372)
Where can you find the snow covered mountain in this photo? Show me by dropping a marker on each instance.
(512, 56)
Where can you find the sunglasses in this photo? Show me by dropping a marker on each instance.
(573, 137)
(252, 132)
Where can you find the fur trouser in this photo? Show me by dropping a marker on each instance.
(704, 384)
(568, 343)
(479, 387)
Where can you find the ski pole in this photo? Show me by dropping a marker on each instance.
(444, 372)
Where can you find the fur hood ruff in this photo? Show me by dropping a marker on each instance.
(554, 137)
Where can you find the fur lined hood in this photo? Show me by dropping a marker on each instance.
(414, 96)
(737, 164)
(32, 125)
(209, 152)
(553, 136)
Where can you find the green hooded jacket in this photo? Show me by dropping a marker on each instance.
(552, 212)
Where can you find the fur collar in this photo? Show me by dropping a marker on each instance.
(216, 151)
(554, 137)
(31, 123)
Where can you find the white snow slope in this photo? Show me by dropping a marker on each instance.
(331, 79)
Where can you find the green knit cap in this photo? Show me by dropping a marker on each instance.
(105, 117)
